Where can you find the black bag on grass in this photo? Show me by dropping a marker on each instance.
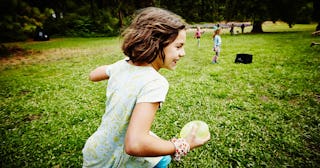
(243, 58)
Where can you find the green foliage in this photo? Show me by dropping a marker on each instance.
(196, 11)
(264, 114)
(75, 25)
(19, 20)
(258, 11)
(304, 15)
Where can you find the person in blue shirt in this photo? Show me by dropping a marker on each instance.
(216, 44)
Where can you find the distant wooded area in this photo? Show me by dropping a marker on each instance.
(22, 19)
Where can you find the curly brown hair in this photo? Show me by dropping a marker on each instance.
(150, 32)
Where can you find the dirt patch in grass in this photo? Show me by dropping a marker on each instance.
(318, 98)
(32, 117)
(14, 54)
(19, 55)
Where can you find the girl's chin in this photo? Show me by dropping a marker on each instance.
(172, 68)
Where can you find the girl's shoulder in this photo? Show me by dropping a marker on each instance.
(117, 66)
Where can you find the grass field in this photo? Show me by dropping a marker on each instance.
(264, 114)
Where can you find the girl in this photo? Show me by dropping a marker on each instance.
(154, 40)
(217, 44)
(198, 34)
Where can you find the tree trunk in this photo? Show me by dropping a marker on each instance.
(120, 17)
(257, 27)
(316, 13)
(92, 9)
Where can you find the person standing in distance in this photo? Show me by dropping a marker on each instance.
(136, 90)
(232, 29)
(198, 34)
(216, 44)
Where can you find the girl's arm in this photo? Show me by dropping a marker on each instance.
(99, 74)
(138, 141)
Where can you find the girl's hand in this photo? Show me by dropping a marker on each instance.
(193, 140)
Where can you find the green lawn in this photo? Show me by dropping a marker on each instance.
(264, 114)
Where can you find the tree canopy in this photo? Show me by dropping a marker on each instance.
(21, 18)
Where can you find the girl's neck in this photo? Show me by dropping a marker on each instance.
(153, 64)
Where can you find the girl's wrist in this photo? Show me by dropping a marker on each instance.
(182, 148)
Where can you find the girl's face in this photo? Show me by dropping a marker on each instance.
(173, 52)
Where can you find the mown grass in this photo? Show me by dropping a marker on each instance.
(264, 114)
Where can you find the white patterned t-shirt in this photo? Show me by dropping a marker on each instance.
(127, 85)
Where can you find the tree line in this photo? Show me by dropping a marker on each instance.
(20, 19)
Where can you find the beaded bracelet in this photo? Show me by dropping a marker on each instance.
(182, 147)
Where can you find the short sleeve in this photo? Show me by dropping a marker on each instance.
(114, 66)
(154, 91)
(108, 70)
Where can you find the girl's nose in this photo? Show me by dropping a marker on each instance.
(182, 53)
